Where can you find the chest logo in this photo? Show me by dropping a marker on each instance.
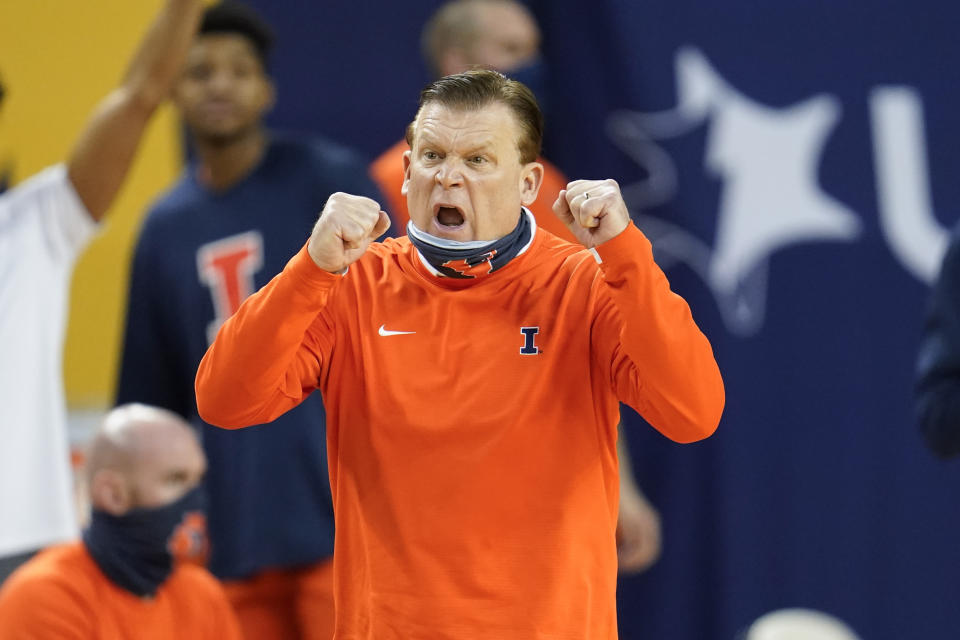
(383, 331)
(529, 347)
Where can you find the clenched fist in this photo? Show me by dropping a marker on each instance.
(345, 229)
(593, 210)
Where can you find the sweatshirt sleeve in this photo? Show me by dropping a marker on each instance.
(269, 355)
(660, 362)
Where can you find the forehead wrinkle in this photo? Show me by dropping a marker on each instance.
(461, 141)
(435, 129)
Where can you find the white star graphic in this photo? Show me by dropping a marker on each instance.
(767, 158)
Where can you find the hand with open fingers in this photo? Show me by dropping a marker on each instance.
(345, 229)
(593, 210)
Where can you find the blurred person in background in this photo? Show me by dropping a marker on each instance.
(242, 207)
(45, 223)
(798, 624)
(503, 35)
(133, 575)
(938, 363)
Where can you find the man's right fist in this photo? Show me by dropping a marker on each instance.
(345, 229)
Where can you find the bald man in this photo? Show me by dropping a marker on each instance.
(799, 624)
(127, 578)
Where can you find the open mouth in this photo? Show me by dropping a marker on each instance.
(449, 216)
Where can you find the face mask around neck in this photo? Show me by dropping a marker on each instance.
(464, 260)
(137, 550)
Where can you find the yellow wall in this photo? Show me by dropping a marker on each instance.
(57, 59)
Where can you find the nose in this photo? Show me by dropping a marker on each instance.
(449, 175)
(220, 82)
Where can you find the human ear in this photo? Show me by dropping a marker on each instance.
(406, 173)
(109, 491)
(531, 177)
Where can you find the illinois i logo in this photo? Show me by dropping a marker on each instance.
(529, 347)
(227, 268)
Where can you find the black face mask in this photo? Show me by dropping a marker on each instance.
(137, 550)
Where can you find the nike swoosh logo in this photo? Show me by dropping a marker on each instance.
(386, 332)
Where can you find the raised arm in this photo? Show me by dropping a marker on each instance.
(660, 362)
(102, 156)
(270, 354)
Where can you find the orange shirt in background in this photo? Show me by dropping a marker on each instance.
(471, 425)
(387, 172)
(61, 594)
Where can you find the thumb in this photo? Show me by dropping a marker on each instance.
(383, 224)
(562, 209)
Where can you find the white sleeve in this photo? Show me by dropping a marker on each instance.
(48, 203)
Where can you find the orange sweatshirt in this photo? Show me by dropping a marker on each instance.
(471, 425)
(387, 172)
(62, 594)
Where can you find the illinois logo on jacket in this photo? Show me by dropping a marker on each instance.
(189, 541)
